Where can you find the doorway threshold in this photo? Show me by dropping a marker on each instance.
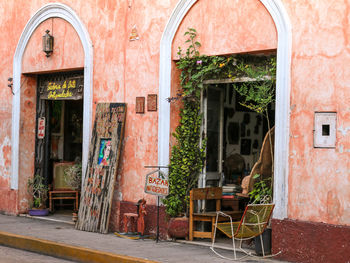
(59, 217)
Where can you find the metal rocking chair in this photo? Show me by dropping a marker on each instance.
(253, 223)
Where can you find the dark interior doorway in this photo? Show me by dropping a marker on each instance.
(60, 108)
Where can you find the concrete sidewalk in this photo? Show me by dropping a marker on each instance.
(62, 240)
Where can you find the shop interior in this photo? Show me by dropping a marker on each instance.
(58, 147)
(234, 136)
(65, 128)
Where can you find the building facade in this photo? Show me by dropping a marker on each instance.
(126, 49)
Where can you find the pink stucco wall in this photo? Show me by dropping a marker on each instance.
(228, 27)
(122, 70)
(319, 179)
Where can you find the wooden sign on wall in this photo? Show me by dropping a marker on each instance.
(63, 88)
(98, 187)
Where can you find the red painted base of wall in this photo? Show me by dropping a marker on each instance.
(8, 202)
(116, 222)
(302, 241)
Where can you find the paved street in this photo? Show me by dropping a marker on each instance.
(11, 255)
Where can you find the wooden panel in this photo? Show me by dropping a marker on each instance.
(202, 234)
(206, 193)
(98, 188)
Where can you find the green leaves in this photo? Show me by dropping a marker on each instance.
(262, 192)
(38, 190)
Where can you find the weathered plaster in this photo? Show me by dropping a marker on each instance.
(34, 59)
(319, 178)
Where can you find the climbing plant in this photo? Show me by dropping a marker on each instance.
(188, 154)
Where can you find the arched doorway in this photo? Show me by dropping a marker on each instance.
(61, 11)
(283, 26)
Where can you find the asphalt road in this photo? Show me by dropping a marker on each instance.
(12, 255)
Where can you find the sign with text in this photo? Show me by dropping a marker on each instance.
(70, 88)
(157, 184)
(41, 128)
(97, 194)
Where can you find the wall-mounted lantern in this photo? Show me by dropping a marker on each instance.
(47, 43)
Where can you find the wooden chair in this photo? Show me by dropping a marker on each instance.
(252, 224)
(209, 193)
(61, 191)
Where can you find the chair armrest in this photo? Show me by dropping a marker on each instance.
(223, 214)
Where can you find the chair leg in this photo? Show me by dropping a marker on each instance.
(50, 202)
(76, 205)
(212, 228)
(262, 245)
(191, 229)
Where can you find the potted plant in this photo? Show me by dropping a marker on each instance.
(38, 190)
(72, 176)
(262, 191)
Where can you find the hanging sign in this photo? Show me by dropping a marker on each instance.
(41, 128)
(157, 184)
(70, 88)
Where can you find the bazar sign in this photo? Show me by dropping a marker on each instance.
(156, 185)
(69, 88)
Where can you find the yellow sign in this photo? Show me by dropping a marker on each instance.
(60, 90)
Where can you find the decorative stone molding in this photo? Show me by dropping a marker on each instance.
(44, 13)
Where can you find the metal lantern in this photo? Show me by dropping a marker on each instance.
(47, 43)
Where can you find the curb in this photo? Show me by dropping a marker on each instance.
(64, 251)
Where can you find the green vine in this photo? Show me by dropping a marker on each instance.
(188, 155)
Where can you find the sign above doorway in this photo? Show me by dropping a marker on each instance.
(62, 88)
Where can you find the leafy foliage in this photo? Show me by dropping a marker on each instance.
(188, 155)
(72, 176)
(38, 190)
(262, 192)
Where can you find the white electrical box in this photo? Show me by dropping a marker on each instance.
(325, 129)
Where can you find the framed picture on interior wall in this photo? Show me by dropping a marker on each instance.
(246, 118)
(248, 132)
(238, 106)
(242, 129)
(233, 133)
(245, 146)
(255, 144)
